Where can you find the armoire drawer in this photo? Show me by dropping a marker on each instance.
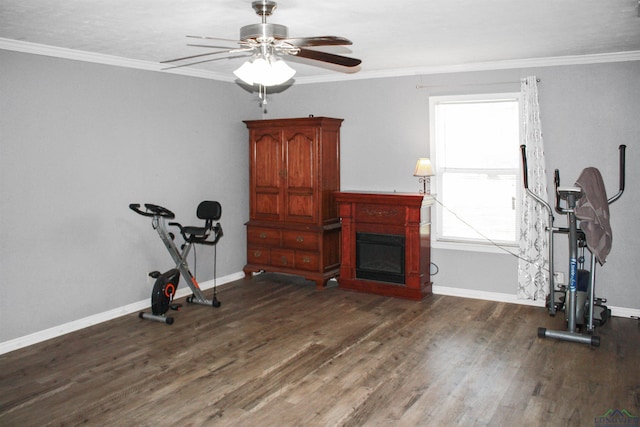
(258, 255)
(309, 261)
(303, 240)
(282, 258)
(263, 236)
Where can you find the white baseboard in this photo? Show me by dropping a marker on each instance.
(624, 312)
(488, 296)
(56, 331)
(511, 298)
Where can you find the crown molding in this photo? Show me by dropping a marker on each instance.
(481, 66)
(78, 55)
(99, 58)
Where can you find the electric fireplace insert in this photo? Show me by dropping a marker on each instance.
(380, 257)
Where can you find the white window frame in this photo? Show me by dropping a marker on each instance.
(480, 245)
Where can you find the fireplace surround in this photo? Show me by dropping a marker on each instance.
(385, 243)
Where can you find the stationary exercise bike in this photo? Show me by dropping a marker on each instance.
(166, 283)
(579, 302)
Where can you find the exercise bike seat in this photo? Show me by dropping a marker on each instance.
(208, 211)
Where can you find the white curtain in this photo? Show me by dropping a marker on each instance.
(533, 264)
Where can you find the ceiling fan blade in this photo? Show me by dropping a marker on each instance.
(188, 64)
(204, 54)
(208, 46)
(200, 62)
(318, 41)
(328, 57)
(213, 38)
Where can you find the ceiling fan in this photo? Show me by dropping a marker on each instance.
(267, 43)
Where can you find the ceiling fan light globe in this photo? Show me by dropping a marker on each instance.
(245, 73)
(265, 72)
(261, 69)
(280, 72)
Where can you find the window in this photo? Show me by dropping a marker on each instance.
(475, 150)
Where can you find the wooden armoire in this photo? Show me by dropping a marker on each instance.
(294, 172)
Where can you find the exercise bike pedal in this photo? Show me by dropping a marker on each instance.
(175, 307)
(154, 274)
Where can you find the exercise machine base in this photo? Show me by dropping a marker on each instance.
(592, 340)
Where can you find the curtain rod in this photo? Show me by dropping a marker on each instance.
(469, 84)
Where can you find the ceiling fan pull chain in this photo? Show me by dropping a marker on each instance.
(262, 94)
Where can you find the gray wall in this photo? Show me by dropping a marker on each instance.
(80, 141)
(587, 111)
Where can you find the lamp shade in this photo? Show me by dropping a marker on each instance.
(265, 71)
(423, 167)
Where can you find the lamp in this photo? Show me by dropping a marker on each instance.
(265, 70)
(424, 171)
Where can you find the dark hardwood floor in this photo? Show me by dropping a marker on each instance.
(280, 353)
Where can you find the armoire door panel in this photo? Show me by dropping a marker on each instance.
(300, 160)
(267, 162)
(267, 206)
(301, 178)
(267, 175)
(300, 208)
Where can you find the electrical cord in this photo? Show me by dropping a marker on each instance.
(488, 239)
(433, 264)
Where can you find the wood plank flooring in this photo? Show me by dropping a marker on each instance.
(279, 353)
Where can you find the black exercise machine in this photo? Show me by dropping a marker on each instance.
(166, 283)
(579, 302)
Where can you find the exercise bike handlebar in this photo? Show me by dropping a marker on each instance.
(218, 233)
(152, 210)
(525, 173)
(525, 169)
(622, 167)
(556, 183)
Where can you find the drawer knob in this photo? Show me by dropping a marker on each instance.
(263, 235)
(299, 239)
(257, 254)
(306, 260)
(284, 260)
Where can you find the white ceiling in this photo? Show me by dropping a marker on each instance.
(403, 36)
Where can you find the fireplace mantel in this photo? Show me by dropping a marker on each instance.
(392, 214)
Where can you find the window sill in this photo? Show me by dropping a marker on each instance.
(503, 248)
